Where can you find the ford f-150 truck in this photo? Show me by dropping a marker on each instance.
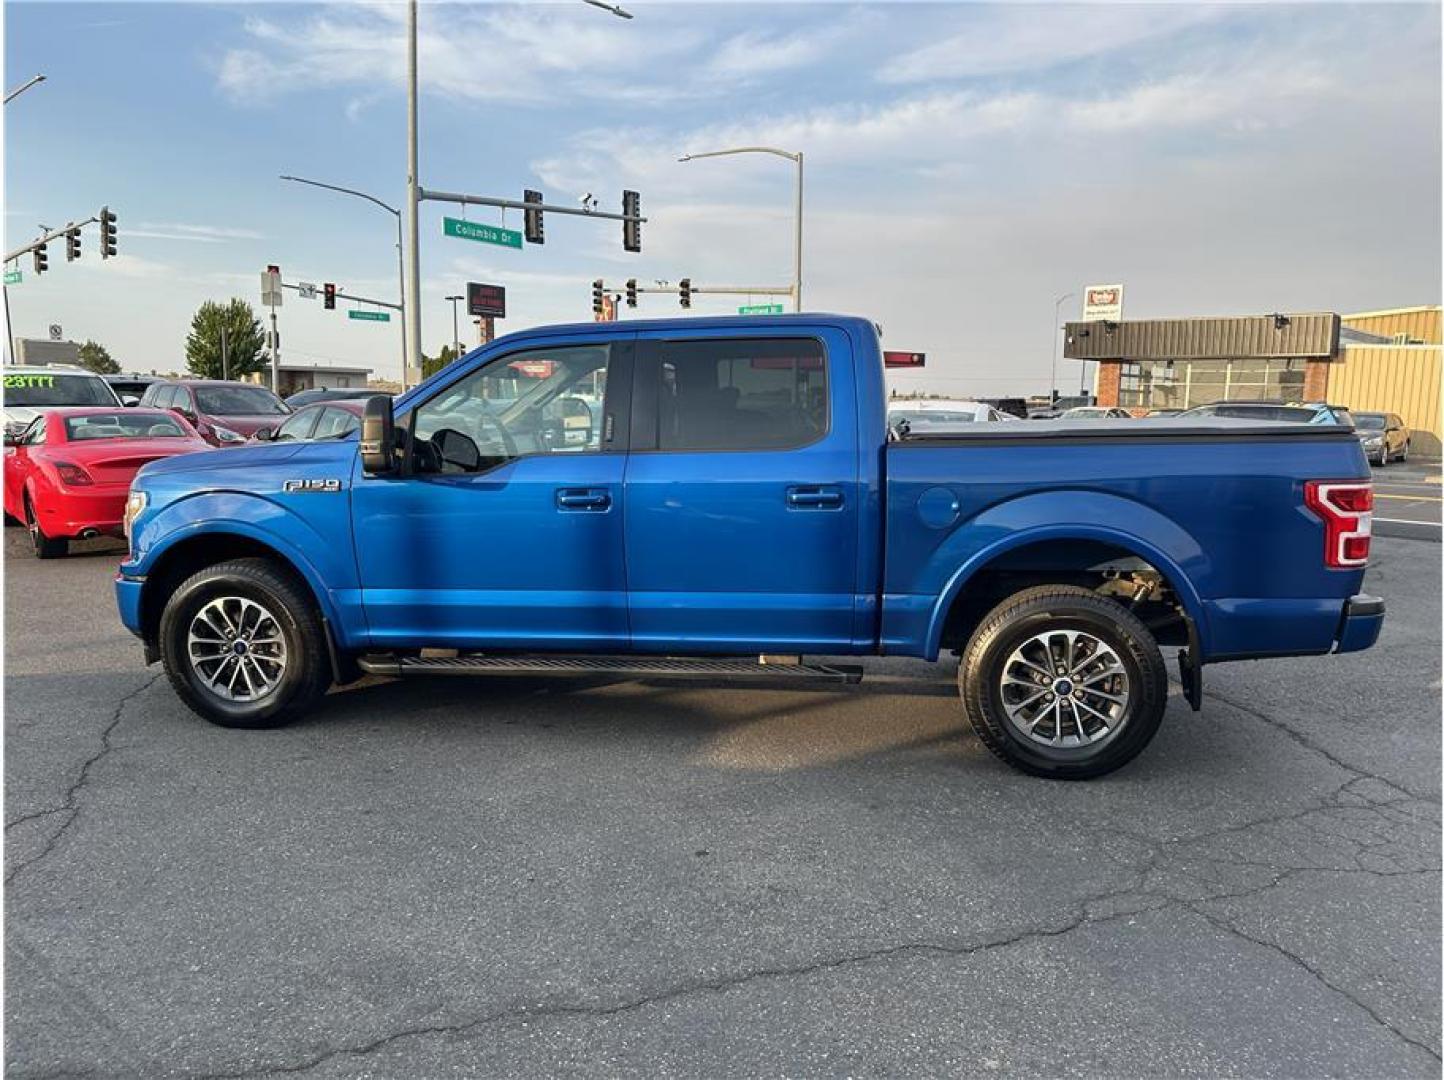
(723, 498)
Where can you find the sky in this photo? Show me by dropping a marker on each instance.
(966, 164)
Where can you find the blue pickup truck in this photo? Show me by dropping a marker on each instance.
(724, 498)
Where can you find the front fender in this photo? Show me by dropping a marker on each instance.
(329, 566)
(1066, 515)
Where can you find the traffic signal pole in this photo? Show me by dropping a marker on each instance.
(413, 206)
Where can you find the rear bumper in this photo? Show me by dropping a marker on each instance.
(1362, 620)
(72, 513)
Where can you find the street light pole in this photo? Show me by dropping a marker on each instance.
(13, 94)
(413, 201)
(795, 158)
(455, 331)
(400, 264)
(1053, 382)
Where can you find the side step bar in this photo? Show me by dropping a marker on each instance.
(651, 667)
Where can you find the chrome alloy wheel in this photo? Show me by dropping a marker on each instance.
(236, 648)
(1065, 689)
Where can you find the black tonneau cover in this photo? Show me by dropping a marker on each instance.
(1148, 430)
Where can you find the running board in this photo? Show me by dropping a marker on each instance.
(659, 667)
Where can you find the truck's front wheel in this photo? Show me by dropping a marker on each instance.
(1062, 683)
(243, 645)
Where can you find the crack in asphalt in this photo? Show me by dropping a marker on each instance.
(1310, 744)
(1230, 928)
(71, 805)
(888, 952)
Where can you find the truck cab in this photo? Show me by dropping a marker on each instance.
(723, 497)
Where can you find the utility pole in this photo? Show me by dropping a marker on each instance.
(225, 354)
(1053, 381)
(413, 201)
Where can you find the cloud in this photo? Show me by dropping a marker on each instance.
(491, 54)
(200, 234)
(1024, 37)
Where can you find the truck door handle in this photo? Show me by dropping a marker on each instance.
(814, 498)
(583, 499)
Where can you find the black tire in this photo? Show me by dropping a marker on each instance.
(1056, 608)
(1404, 453)
(307, 671)
(46, 547)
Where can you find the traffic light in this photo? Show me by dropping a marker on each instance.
(631, 230)
(533, 218)
(107, 232)
(328, 296)
(685, 287)
(597, 290)
(72, 244)
(631, 292)
(41, 265)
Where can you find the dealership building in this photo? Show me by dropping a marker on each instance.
(1375, 361)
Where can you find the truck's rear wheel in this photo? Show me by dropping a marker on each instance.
(243, 645)
(1062, 683)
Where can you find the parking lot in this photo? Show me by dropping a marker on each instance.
(523, 877)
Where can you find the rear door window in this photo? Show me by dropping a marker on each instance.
(741, 394)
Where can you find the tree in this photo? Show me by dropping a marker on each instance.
(430, 365)
(245, 343)
(95, 357)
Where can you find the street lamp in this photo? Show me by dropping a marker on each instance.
(1053, 383)
(400, 265)
(797, 233)
(455, 332)
(23, 87)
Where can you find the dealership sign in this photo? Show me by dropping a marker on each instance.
(1102, 302)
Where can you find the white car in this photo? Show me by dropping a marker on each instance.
(1096, 412)
(29, 390)
(938, 417)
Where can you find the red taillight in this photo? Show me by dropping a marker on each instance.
(1347, 511)
(73, 475)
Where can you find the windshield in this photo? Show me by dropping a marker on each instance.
(1369, 421)
(131, 424)
(37, 390)
(238, 401)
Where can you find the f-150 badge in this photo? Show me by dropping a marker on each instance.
(331, 484)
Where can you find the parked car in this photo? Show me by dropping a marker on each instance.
(941, 415)
(1162, 413)
(130, 387)
(30, 390)
(1059, 407)
(1286, 412)
(329, 393)
(225, 413)
(738, 507)
(323, 420)
(1383, 436)
(68, 474)
(1096, 412)
(1015, 407)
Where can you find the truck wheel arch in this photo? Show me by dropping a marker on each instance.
(1120, 543)
(198, 549)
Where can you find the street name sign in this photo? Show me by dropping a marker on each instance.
(369, 316)
(485, 234)
(760, 309)
(14, 277)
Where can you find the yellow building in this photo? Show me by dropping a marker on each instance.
(1390, 361)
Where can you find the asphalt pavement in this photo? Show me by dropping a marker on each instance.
(1407, 500)
(538, 878)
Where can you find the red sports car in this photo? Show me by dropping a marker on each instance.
(68, 475)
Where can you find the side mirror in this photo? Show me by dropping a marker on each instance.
(378, 437)
(130, 401)
(264, 434)
(12, 438)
